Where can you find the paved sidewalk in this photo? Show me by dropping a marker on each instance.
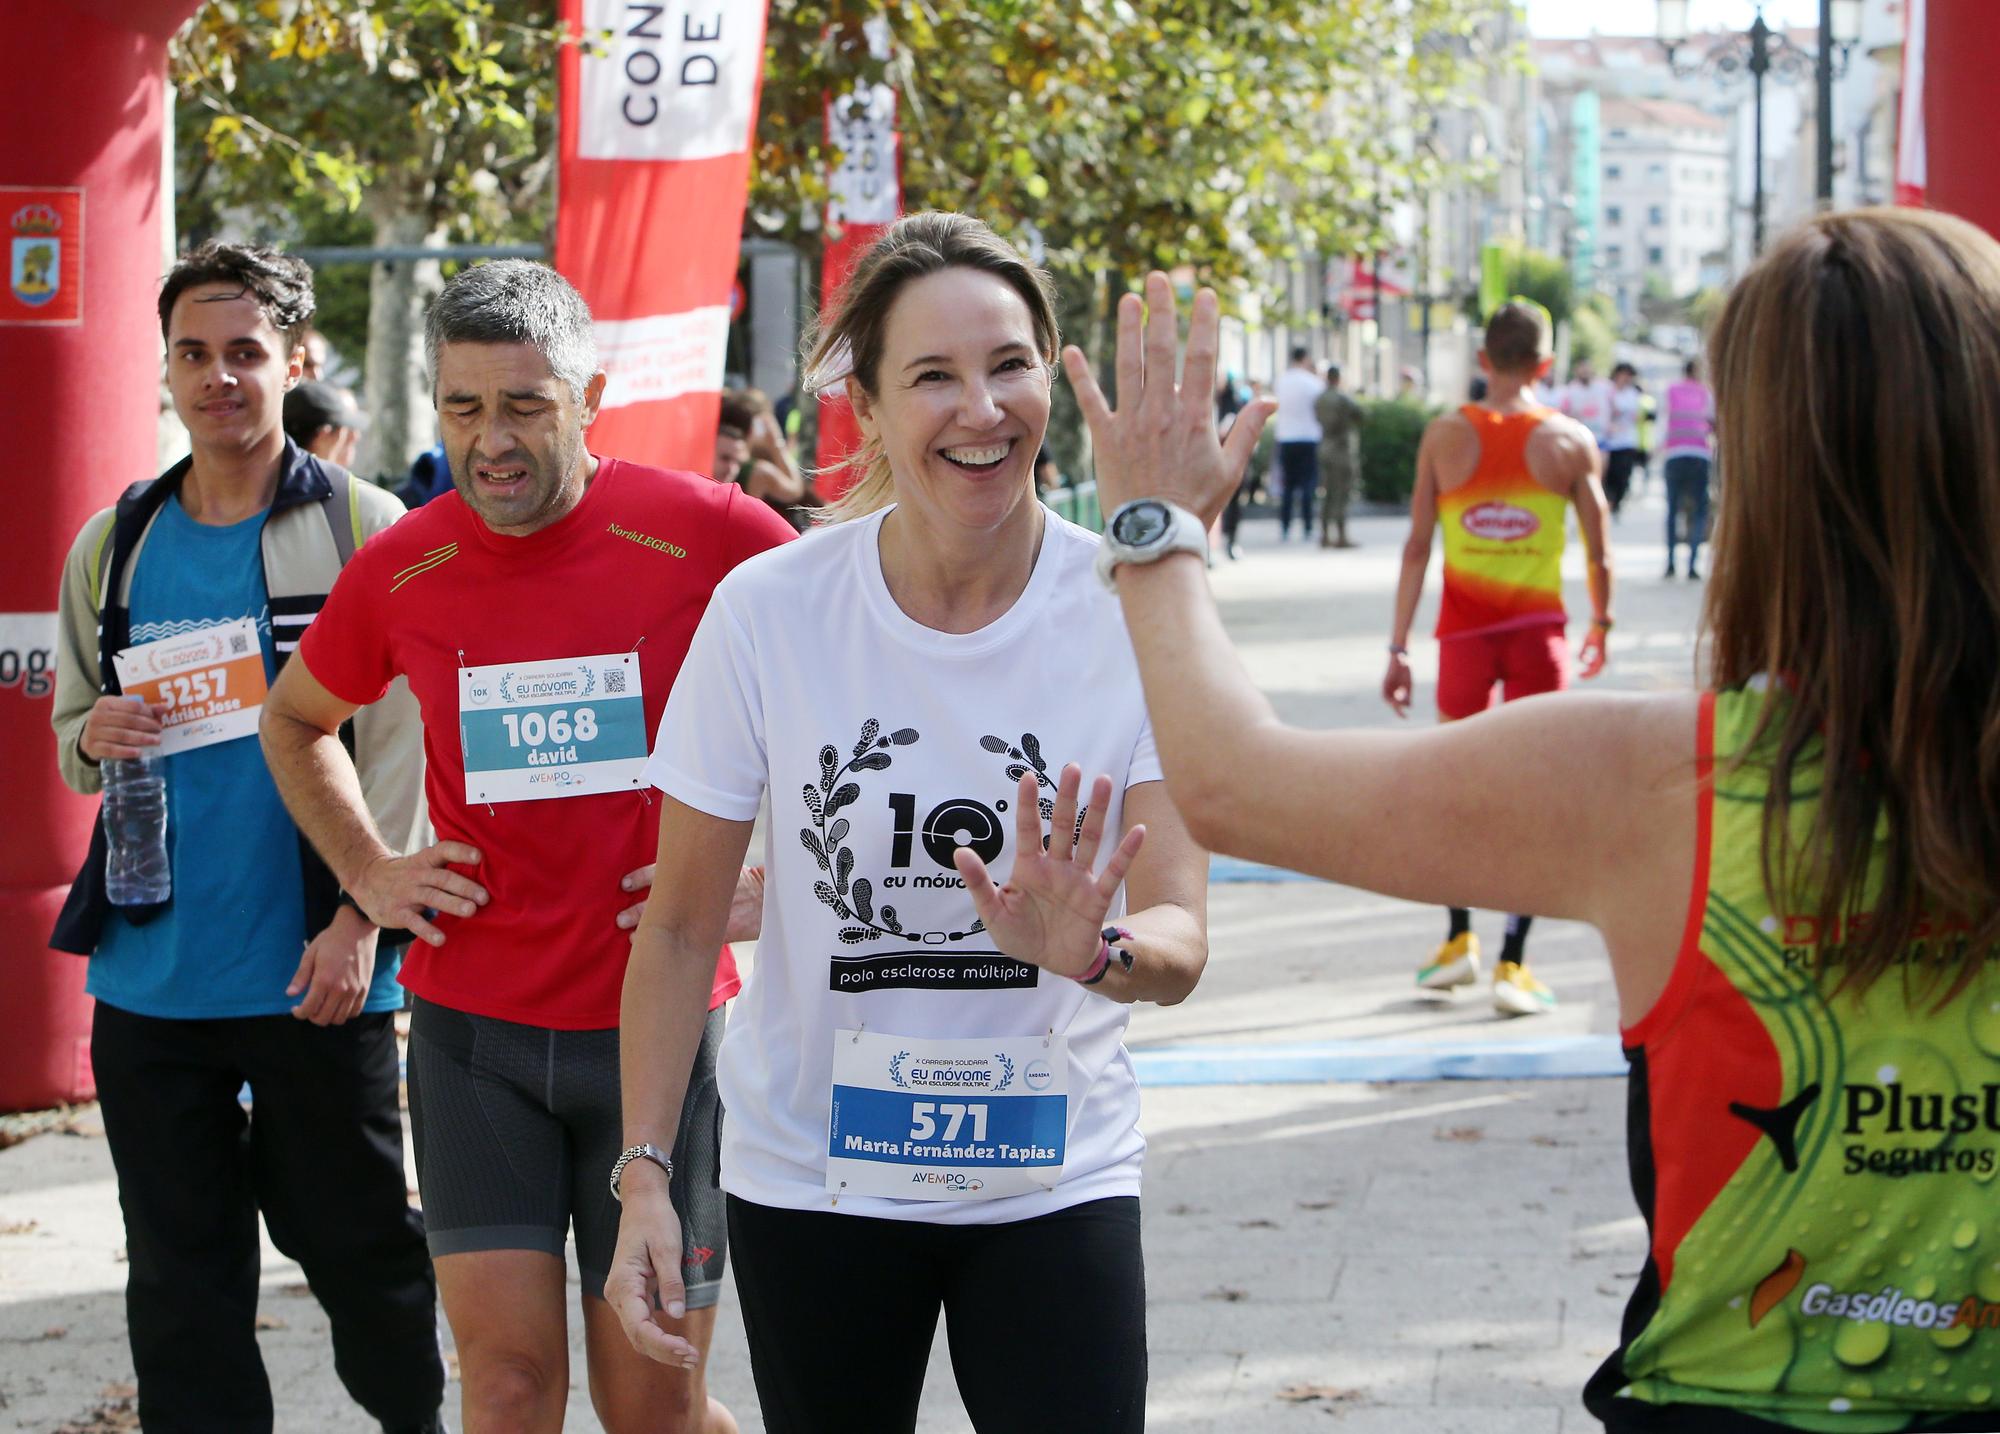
(1426, 1256)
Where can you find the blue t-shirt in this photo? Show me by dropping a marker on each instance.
(230, 940)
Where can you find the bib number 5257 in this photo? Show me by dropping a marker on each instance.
(535, 729)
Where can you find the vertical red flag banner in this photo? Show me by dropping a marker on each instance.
(865, 194)
(1950, 54)
(657, 117)
(1910, 155)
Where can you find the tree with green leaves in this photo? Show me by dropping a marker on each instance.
(1217, 137)
(395, 122)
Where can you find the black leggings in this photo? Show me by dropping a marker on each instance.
(1046, 1318)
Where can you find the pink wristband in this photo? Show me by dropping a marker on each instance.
(1097, 967)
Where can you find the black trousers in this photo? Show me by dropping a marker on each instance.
(321, 1154)
(1618, 466)
(1298, 476)
(1046, 1318)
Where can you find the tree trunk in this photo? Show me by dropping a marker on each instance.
(402, 420)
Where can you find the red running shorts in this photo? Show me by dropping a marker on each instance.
(1520, 661)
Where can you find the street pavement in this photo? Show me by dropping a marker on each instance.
(1444, 1256)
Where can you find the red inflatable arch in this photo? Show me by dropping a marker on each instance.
(80, 218)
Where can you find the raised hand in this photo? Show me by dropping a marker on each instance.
(1161, 442)
(1052, 908)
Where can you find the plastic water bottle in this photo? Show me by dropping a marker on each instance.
(136, 872)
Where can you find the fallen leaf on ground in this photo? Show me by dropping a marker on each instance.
(1462, 1133)
(1256, 1224)
(20, 1227)
(1227, 1295)
(113, 1416)
(1307, 1393)
(271, 1322)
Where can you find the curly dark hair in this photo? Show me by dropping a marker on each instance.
(281, 285)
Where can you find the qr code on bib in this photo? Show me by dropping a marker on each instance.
(614, 682)
(239, 644)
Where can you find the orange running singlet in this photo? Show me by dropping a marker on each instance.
(1503, 534)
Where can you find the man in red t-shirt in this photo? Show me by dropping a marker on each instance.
(540, 613)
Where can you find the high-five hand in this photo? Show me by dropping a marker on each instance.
(1161, 441)
(1051, 910)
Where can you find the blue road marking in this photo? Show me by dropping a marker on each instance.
(1228, 868)
(1381, 1060)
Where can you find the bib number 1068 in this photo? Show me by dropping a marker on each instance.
(533, 729)
(924, 1114)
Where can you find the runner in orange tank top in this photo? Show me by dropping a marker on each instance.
(1501, 474)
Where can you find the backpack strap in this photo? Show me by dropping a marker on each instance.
(343, 511)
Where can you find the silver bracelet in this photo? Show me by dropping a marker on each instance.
(639, 1152)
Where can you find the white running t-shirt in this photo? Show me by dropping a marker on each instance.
(1590, 405)
(1623, 429)
(803, 666)
(1295, 421)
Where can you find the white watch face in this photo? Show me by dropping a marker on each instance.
(1141, 525)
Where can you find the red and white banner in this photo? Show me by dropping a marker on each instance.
(1910, 154)
(1951, 110)
(865, 197)
(658, 108)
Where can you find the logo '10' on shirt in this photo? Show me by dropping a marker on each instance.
(885, 746)
(1503, 534)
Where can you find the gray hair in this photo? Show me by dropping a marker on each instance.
(515, 301)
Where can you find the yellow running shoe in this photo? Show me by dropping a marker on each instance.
(1516, 993)
(1456, 963)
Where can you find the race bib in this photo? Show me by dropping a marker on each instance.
(946, 1120)
(211, 679)
(567, 728)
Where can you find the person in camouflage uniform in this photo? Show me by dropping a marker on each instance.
(1340, 419)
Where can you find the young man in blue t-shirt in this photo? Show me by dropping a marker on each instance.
(255, 970)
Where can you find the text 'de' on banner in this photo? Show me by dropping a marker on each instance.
(659, 104)
(865, 196)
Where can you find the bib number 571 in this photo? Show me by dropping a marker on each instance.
(533, 729)
(924, 1113)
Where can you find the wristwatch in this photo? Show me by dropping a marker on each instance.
(1144, 531)
(639, 1152)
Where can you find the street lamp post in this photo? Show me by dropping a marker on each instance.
(1760, 51)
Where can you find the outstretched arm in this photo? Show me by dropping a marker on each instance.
(1487, 813)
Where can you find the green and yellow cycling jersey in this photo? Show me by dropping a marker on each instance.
(1817, 1171)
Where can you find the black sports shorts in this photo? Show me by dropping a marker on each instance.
(517, 1128)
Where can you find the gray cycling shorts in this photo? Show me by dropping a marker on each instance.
(517, 1128)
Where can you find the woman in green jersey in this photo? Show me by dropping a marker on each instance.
(1796, 869)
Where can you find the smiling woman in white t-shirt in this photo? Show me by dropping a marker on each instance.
(930, 1103)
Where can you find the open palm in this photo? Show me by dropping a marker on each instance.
(1052, 908)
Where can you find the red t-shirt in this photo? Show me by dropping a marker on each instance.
(636, 559)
